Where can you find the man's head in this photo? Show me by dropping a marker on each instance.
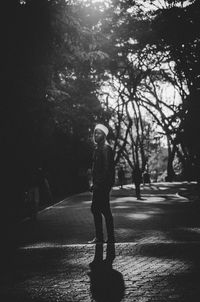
(100, 133)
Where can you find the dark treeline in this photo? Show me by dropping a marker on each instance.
(54, 55)
(40, 65)
(177, 31)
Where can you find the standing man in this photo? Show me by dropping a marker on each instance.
(137, 179)
(103, 175)
(121, 177)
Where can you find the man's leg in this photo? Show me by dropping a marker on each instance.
(97, 222)
(109, 222)
(110, 254)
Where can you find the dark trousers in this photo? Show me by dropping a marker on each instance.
(101, 206)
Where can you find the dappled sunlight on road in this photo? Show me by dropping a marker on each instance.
(191, 233)
(157, 236)
(52, 245)
(149, 236)
(157, 248)
(124, 231)
(123, 207)
(145, 199)
(60, 207)
(87, 202)
(193, 230)
(159, 188)
(71, 221)
(144, 214)
(62, 273)
(40, 245)
(150, 198)
(138, 216)
(158, 266)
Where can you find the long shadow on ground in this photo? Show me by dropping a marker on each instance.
(106, 283)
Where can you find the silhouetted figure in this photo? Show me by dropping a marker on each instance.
(103, 180)
(137, 179)
(46, 197)
(146, 178)
(121, 177)
(32, 195)
(106, 284)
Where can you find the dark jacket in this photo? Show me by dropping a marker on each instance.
(103, 171)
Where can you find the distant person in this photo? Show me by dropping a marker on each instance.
(146, 178)
(121, 177)
(46, 196)
(137, 179)
(32, 195)
(103, 180)
(155, 176)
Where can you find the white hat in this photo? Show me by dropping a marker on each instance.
(102, 128)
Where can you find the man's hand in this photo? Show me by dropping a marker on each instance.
(91, 189)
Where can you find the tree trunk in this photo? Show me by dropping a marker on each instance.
(170, 169)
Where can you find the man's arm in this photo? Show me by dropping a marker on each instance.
(106, 178)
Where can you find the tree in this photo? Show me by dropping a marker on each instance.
(184, 50)
(149, 38)
(50, 102)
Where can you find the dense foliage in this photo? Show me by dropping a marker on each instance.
(152, 43)
(50, 103)
(56, 56)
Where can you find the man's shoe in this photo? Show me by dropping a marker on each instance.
(96, 240)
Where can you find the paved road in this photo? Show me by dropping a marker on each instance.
(157, 251)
